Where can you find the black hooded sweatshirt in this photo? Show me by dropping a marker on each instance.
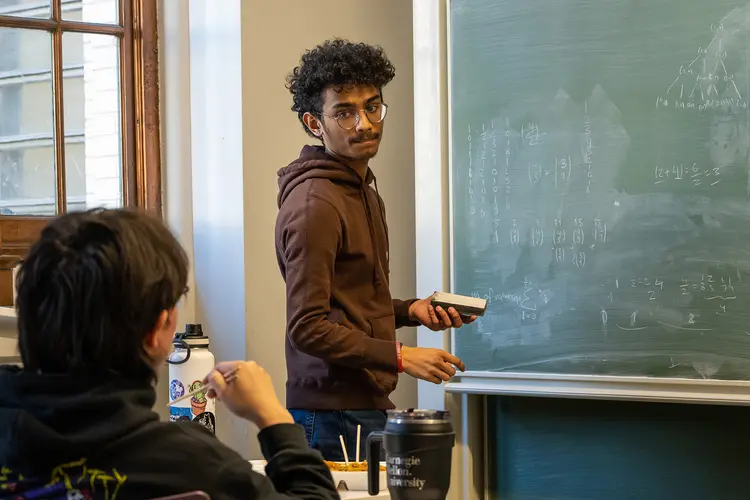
(332, 250)
(65, 438)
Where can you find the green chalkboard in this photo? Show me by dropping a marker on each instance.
(563, 449)
(599, 185)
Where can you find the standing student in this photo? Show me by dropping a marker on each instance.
(342, 356)
(97, 311)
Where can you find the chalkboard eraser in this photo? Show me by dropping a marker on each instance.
(463, 304)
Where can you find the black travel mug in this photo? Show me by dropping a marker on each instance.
(418, 447)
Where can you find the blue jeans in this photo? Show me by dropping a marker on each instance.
(323, 428)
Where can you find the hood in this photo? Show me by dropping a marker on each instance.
(315, 163)
(66, 416)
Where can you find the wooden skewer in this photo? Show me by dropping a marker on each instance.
(343, 448)
(359, 429)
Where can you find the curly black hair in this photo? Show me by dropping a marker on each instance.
(336, 63)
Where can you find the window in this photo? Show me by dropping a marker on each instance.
(79, 123)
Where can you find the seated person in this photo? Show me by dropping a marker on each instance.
(97, 297)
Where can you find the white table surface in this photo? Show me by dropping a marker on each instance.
(259, 466)
(363, 495)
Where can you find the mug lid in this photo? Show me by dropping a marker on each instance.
(419, 414)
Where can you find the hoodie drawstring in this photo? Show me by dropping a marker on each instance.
(370, 225)
(382, 215)
(371, 229)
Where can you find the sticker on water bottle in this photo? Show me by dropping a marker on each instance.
(177, 413)
(199, 400)
(176, 389)
(201, 409)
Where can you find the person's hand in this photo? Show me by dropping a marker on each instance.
(250, 395)
(436, 318)
(432, 365)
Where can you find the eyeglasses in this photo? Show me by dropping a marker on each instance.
(349, 119)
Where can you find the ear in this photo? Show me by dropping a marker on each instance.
(159, 339)
(313, 124)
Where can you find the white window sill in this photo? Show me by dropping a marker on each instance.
(7, 312)
(8, 349)
(8, 335)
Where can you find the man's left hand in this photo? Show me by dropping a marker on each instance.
(436, 318)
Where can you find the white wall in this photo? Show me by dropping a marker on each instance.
(274, 138)
(177, 192)
(431, 170)
(237, 131)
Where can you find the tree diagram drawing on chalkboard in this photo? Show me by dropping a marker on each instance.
(717, 80)
(706, 82)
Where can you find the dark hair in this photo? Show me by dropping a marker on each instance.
(90, 290)
(335, 63)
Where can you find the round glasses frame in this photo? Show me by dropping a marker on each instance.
(348, 115)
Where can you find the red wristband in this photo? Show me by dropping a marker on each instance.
(399, 359)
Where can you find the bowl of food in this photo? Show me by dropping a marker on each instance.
(350, 476)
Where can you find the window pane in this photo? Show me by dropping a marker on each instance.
(26, 8)
(28, 186)
(27, 159)
(92, 11)
(93, 161)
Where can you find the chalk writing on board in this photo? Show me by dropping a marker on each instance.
(537, 235)
(530, 133)
(549, 157)
(631, 304)
(705, 82)
(587, 147)
(495, 183)
(569, 238)
(526, 302)
(507, 165)
(573, 246)
(716, 291)
(660, 194)
(600, 230)
(579, 239)
(472, 199)
(558, 171)
(472, 208)
(515, 234)
(692, 174)
(482, 168)
(489, 167)
(558, 241)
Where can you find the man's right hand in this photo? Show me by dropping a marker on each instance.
(250, 395)
(432, 365)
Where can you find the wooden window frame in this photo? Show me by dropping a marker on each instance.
(139, 121)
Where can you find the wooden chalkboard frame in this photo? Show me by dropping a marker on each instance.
(435, 247)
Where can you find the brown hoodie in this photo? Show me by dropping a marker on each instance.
(332, 249)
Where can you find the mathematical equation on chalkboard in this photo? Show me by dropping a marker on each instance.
(493, 171)
(491, 162)
(636, 300)
(692, 174)
(571, 238)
